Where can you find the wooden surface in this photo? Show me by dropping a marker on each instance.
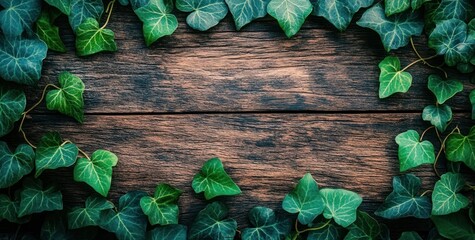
(271, 108)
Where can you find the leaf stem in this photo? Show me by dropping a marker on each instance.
(442, 147)
(424, 60)
(423, 133)
(109, 8)
(418, 60)
(309, 229)
(84, 154)
(426, 192)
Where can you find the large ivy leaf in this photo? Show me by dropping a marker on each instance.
(410, 236)
(168, 232)
(211, 223)
(305, 199)
(13, 166)
(62, 5)
(84, 9)
(412, 152)
(396, 6)
(97, 171)
(205, 14)
(455, 226)
(365, 227)
(266, 225)
(18, 16)
(245, 11)
(48, 32)
(91, 39)
(162, 208)
(35, 198)
(451, 9)
(472, 101)
(214, 181)
(53, 153)
(443, 89)
(392, 79)
(331, 232)
(21, 60)
(129, 222)
(460, 148)
(290, 14)
(68, 99)
(438, 115)
(90, 215)
(339, 12)
(395, 30)
(341, 205)
(157, 20)
(404, 200)
(9, 209)
(446, 198)
(12, 105)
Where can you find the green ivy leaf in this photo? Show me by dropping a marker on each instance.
(396, 6)
(68, 99)
(168, 232)
(305, 200)
(446, 198)
(451, 9)
(214, 181)
(48, 32)
(410, 236)
(61, 5)
(454, 226)
(245, 11)
(211, 223)
(12, 105)
(332, 232)
(460, 148)
(290, 14)
(205, 14)
(341, 205)
(416, 4)
(472, 101)
(129, 222)
(392, 79)
(81, 10)
(18, 16)
(91, 39)
(412, 152)
(35, 198)
(136, 4)
(266, 225)
(53, 153)
(365, 227)
(162, 208)
(157, 20)
(443, 89)
(395, 30)
(439, 116)
(21, 60)
(54, 228)
(97, 171)
(339, 12)
(9, 209)
(13, 166)
(90, 215)
(404, 200)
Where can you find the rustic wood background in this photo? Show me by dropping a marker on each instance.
(271, 108)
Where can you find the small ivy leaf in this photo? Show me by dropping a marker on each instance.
(443, 89)
(404, 200)
(9, 209)
(205, 14)
(451, 9)
(61, 5)
(245, 11)
(412, 152)
(91, 39)
(211, 223)
(365, 227)
(18, 16)
(48, 32)
(454, 226)
(81, 10)
(157, 20)
(68, 99)
(35, 198)
(290, 14)
(136, 4)
(129, 222)
(341, 205)
(168, 232)
(266, 225)
(450, 38)
(53, 153)
(395, 30)
(410, 236)
(465, 67)
(472, 101)
(12, 105)
(339, 12)
(396, 6)
(90, 215)
(445, 198)
(13, 166)
(392, 79)
(416, 4)
(162, 208)
(460, 148)
(305, 199)
(21, 60)
(214, 181)
(332, 232)
(97, 171)
(384, 234)
(439, 116)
